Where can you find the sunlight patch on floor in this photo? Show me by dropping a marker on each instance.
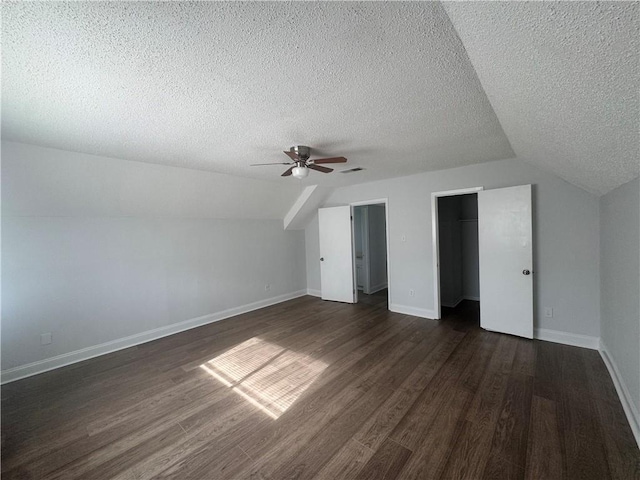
(268, 376)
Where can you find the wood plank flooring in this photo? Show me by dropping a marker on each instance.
(311, 389)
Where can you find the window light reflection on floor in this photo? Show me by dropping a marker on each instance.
(265, 374)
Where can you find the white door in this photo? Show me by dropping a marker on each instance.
(336, 255)
(506, 260)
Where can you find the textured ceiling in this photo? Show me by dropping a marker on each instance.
(563, 79)
(218, 85)
(391, 86)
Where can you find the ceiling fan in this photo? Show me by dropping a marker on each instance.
(301, 164)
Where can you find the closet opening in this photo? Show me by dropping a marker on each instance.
(458, 262)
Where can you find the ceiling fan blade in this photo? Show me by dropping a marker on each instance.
(278, 163)
(288, 172)
(292, 155)
(319, 168)
(330, 160)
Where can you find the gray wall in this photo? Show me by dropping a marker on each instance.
(91, 259)
(620, 282)
(566, 239)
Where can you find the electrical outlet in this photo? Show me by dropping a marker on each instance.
(267, 287)
(45, 339)
(412, 292)
(548, 312)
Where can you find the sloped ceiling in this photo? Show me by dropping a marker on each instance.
(220, 85)
(46, 182)
(563, 79)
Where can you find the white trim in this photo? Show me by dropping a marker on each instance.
(629, 407)
(573, 339)
(376, 201)
(460, 191)
(434, 241)
(377, 288)
(298, 204)
(457, 302)
(41, 366)
(416, 312)
(454, 304)
(314, 293)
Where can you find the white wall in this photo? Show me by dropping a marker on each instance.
(566, 236)
(620, 284)
(97, 249)
(41, 181)
(312, 245)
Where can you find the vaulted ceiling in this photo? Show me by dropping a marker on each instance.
(398, 88)
(563, 79)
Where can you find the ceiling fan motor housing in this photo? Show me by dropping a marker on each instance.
(303, 152)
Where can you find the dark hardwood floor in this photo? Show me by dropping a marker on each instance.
(313, 389)
(379, 299)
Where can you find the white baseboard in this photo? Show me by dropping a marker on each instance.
(566, 338)
(454, 304)
(377, 288)
(416, 312)
(457, 302)
(41, 366)
(313, 292)
(629, 407)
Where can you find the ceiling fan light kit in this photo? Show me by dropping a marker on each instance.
(300, 172)
(301, 164)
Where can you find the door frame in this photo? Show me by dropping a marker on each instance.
(377, 201)
(435, 240)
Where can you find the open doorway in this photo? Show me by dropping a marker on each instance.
(458, 257)
(371, 254)
(455, 277)
(505, 255)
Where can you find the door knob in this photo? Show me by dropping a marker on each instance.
(322, 259)
(526, 272)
